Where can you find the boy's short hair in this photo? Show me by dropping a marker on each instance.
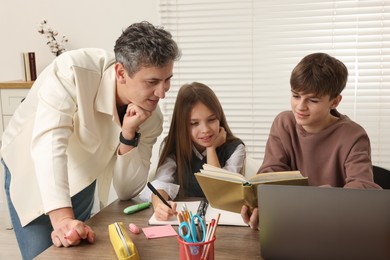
(319, 74)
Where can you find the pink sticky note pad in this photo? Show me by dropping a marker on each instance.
(159, 231)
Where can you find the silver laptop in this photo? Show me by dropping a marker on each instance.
(302, 222)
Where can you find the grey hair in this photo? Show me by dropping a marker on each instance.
(145, 45)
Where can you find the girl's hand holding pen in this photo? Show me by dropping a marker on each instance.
(162, 208)
(162, 211)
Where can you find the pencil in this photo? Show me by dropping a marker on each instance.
(211, 237)
(210, 227)
(150, 186)
(180, 220)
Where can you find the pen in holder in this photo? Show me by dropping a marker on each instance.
(195, 251)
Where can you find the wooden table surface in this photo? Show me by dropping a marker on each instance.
(231, 242)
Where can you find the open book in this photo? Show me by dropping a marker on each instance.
(230, 191)
(227, 218)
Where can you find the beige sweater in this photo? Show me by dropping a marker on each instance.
(65, 135)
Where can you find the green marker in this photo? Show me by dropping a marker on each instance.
(136, 208)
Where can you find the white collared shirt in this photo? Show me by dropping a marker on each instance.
(164, 178)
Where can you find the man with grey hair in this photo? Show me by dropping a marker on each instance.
(90, 117)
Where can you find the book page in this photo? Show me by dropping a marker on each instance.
(227, 217)
(219, 173)
(275, 176)
(211, 168)
(191, 205)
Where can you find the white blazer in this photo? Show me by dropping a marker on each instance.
(65, 135)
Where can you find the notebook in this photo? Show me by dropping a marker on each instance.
(302, 222)
(226, 218)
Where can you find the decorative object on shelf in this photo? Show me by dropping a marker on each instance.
(56, 47)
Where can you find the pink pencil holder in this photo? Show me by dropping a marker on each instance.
(194, 251)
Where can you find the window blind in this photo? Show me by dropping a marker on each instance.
(245, 51)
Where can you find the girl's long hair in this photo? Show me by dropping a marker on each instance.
(178, 142)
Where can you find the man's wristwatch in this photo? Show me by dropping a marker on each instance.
(132, 142)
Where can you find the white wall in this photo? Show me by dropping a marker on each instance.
(86, 23)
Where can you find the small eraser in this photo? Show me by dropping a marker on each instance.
(133, 228)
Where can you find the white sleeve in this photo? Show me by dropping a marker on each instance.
(236, 160)
(164, 180)
(131, 169)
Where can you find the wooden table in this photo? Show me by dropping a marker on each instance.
(232, 242)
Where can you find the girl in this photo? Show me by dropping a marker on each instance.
(198, 134)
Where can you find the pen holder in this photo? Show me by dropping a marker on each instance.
(195, 251)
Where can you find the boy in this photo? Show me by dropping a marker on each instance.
(314, 138)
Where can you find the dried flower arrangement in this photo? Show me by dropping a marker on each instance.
(56, 47)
